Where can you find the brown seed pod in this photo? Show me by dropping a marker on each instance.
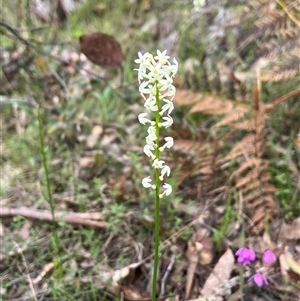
(101, 49)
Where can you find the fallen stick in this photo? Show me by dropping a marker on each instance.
(74, 218)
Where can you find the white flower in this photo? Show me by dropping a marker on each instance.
(171, 69)
(165, 83)
(169, 143)
(148, 148)
(144, 62)
(143, 88)
(165, 171)
(167, 191)
(143, 120)
(150, 139)
(174, 67)
(171, 92)
(162, 57)
(158, 164)
(167, 123)
(167, 107)
(143, 58)
(151, 130)
(198, 4)
(156, 72)
(146, 182)
(150, 104)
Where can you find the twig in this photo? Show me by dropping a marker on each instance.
(73, 218)
(46, 269)
(27, 270)
(59, 79)
(23, 29)
(19, 37)
(166, 275)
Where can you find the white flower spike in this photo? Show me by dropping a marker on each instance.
(155, 76)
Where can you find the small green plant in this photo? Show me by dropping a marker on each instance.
(48, 197)
(228, 217)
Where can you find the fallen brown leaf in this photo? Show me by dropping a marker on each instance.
(192, 255)
(218, 277)
(25, 230)
(101, 49)
(93, 137)
(290, 231)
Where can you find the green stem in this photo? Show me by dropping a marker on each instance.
(241, 268)
(157, 199)
(48, 197)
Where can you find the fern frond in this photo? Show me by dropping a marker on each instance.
(268, 189)
(251, 186)
(252, 162)
(237, 113)
(246, 125)
(282, 69)
(249, 178)
(245, 146)
(213, 106)
(186, 97)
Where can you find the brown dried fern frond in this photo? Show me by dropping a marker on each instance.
(246, 125)
(236, 114)
(283, 68)
(206, 103)
(255, 194)
(250, 176)
(243, 147)
(262, 216)
(213, 106)
(264, 199)
(273, 29)
(252, 162)
(275, 23)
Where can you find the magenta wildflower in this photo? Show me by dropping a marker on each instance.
(245, 256)
(269, 257)
(259, 279)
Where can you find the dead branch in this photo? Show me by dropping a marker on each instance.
(73, 218)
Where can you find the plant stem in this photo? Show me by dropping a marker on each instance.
(157, 200)
(241, 268)
(48, 197)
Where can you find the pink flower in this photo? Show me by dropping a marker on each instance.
(245, 256)
(259, 279)
(269, 257)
